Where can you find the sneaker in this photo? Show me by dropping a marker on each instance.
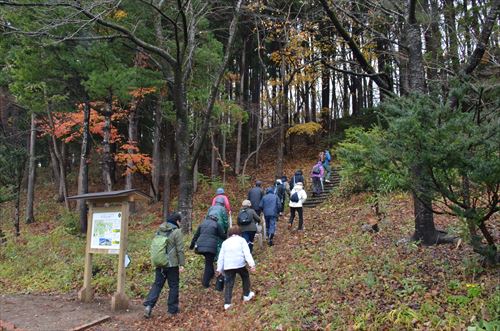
(227, 306)
(249, 296)
(270, 243)
(327, 181)
(147, 311)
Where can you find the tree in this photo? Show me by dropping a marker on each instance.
(172, 41)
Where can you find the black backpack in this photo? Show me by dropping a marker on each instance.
(294, 197)
(244, 218)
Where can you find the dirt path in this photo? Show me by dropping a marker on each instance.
(57, 312)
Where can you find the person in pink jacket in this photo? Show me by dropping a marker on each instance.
(220, 193)
(317, 174)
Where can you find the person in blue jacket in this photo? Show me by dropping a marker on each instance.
(270, 206)
(326, 164)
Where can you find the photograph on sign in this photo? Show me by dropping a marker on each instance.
(106, 228)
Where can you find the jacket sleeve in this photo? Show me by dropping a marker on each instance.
(195, 237)
(246, 252)
(256, 217)
(261, 203)
(179, 247)
(220, 259)
(303, 197)
(226, 204)
(220, 232)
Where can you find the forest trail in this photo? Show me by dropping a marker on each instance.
(202, 309)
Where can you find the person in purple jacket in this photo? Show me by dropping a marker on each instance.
(317, 173)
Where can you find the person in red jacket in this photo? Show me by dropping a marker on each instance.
(220, 193)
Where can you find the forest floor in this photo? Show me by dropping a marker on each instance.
(331, 276)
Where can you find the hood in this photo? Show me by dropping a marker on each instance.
(269, 190)
(220, 190)
(298, 172)
(298, 186)
(166, 226)
(219, 201)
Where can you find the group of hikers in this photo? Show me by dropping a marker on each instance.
(230, 246)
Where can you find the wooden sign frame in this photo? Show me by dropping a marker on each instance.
(108, 202)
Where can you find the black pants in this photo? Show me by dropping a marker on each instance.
(209, 269)
(249, 236)
(292, 216)
(229, 278)
(317, 189)
(172, 276)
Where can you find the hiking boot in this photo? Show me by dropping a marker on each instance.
(227, 306)
(147, 311)
(249, 296)
(270, 243)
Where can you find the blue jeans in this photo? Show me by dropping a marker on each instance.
(270, 225)
(172, 276)
(249, 236)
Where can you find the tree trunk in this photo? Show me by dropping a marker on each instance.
(54, 164)
(425, 230)
(59, 155)
(168, 168)
(238, 148)
(133, 121)
(106, 148)
(182, 143)
(214, 165)
(30, 218)
(156, 171)
(83, 174)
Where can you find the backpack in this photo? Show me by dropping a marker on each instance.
(316, 169)
(158, 250)
(243, 218)
(294, 197)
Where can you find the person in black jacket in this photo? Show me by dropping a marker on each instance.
(255, 195)
(205, 243)
(297, 178)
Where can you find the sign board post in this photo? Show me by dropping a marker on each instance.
(107, 233)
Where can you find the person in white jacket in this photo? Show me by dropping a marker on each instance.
(233, 257)
(297, 197)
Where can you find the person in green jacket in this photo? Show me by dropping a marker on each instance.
(170, 273)
(219, 210)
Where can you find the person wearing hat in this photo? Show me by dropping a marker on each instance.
(205, 242)
(249, 227)
(170, 273)
(220, 193)
(255, 195)
(297, 198)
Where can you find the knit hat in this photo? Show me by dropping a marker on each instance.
(220, 190)
(174, 217)
(270, 190)
(258, 183)
(246, 203)
(279, 181)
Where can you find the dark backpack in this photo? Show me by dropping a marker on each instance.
(294, 197)
(316, 169)
(244, 218)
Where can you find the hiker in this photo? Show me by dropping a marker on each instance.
(204, 242)
(270, 206)
(316, 175)
(247, 221)
(297, 177)
(218, 209)
(279, 190)
(326, 165)
(297, 198)
(220, 193)
(233, 257)
(170, 243)
(255, 195)
(286, 186)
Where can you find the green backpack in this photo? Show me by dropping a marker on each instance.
(159, 257)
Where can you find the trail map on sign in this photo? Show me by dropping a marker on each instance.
(106, 229)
